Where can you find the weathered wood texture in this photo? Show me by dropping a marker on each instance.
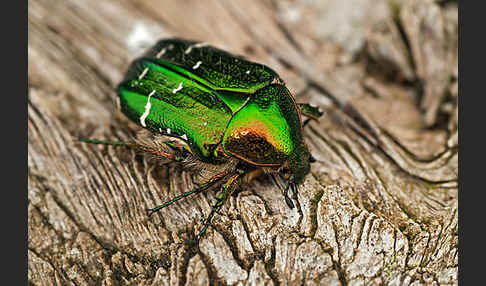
(379, 208)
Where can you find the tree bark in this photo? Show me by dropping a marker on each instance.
(378, 208)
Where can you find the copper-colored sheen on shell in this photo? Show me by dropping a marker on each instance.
(254, 144)
(267, 130)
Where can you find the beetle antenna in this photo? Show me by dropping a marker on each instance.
(295, 188)
(286, 196)
(285, 191)
(274, 179)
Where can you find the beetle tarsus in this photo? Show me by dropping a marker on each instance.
(150, 212)
(215, 209)
(227, 189)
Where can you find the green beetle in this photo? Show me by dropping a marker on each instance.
(208, 106)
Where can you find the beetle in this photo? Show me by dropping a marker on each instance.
(207, 107)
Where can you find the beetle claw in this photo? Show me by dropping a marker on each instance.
(149, 212)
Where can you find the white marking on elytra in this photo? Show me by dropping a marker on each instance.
(195, 46)
(197, 65)
(168, 130)
(160, 130)
(178, 88)
(160, 53)
(248, 72)
(147, 109)
(205, 123)
(184, 137)
(143, 73)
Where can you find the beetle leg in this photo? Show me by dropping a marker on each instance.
(216, 178)
(226, 191)
(148, 149)
(310, 111)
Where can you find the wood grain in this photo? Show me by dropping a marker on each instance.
(379, 207)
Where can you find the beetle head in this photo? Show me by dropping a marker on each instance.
(297, 166)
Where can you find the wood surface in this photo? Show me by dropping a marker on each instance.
(380, 204)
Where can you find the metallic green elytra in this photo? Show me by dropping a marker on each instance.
(222, 108)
